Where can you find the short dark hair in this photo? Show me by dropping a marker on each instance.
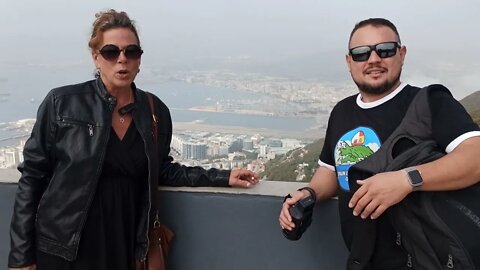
(376, 22)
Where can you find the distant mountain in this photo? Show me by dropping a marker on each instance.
(476, 116)
(320, 66)
(472, 105)
(471, 102)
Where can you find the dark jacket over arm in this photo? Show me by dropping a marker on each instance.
(63, 161)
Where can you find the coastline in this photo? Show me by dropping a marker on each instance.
(235, 111)
(307, 135)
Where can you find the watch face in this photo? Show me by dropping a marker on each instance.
(415, 177)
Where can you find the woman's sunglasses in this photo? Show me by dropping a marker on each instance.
(111, 52)
(383, 50)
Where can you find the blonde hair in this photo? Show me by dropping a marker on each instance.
(110, 19)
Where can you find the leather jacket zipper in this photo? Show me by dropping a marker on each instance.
(90, 126)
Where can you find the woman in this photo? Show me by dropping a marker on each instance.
(83, 200)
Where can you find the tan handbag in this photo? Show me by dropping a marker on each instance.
(160, 235)
(160, 241)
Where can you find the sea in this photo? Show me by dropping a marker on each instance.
(22, 88)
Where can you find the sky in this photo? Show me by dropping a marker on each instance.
(303, 39)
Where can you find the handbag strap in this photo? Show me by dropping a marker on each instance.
(154, 120)
(154, 181)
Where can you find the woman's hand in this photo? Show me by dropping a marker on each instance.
(31, 267)
(242, 178)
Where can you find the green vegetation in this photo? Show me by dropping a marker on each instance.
(289, 166)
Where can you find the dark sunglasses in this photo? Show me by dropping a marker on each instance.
(383, 50)
(111, 52)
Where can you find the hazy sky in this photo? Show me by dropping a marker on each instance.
(442, 36)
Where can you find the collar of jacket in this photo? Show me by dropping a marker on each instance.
(105, 95)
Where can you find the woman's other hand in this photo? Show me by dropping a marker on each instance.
(242, 178)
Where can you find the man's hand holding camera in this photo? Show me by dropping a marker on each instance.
(296, 214)
(285, 217)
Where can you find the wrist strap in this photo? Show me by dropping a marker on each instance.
(311, 191)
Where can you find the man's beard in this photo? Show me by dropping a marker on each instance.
(380, 89)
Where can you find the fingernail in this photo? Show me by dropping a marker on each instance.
(355, 213)
(248, 184)
(350, 205)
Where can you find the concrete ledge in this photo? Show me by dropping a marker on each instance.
(241, 231)
(9, 175)
(265, 188)
(219, 230)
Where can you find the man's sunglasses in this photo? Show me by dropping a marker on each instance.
(111, 52)
(383, 50)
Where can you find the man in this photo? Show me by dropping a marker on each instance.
(357, 127)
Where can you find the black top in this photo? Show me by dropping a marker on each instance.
(356, 130)
(108, 238)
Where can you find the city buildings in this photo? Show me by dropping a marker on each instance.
(192, 148)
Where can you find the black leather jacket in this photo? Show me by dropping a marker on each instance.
(63, 160)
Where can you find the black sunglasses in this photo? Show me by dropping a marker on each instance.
(111, 52)
(383, 50)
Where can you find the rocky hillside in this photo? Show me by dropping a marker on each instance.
(471, 102)
(472, 105)
(476, 116)
(296, 165)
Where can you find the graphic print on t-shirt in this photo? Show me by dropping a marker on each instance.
(352, 147)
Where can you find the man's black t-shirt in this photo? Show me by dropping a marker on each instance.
(356, 130)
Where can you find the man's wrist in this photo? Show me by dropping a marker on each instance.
(311, 191)
(414, 177)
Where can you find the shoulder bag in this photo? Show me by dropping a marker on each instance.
(160, 235)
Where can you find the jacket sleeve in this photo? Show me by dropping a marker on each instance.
(175, 174)
(36, 170)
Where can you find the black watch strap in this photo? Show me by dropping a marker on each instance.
(311, 191)
(287, 197)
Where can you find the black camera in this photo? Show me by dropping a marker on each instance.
(301, 213)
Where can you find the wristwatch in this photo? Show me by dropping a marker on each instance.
(414, 178)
